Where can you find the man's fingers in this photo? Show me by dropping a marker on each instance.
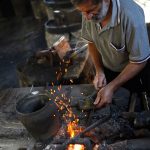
(101, 104)
(105, 82)
(95, 82)
(97, 100)
(101, 83)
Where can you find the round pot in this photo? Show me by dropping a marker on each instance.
(39, 116)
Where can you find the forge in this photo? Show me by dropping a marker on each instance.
(81, 125)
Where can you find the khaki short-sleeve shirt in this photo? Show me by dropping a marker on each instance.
(123, 39)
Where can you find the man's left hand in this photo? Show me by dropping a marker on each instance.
(104, 96)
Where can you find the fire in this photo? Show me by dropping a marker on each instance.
(76, 147)
(72, 127)
(72, 130)
(59, 87)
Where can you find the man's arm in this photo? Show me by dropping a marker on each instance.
(96, 57)
(104, 96)
(99, 80)
(131, 70)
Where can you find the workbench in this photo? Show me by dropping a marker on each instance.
(13, 135)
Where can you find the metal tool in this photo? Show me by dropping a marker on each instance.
(81, 134)
(88, 102)
(85, 103)
(84, 47)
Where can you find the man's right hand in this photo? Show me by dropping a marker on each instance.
(99, 81)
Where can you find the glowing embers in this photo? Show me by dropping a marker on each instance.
(73, 130)
(76, 147)
(68, 117)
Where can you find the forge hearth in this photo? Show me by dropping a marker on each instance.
(109, 127)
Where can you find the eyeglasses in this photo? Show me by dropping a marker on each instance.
(93, 10)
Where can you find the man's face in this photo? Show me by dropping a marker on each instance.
(96, 12)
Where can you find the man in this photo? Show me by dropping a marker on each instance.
(118, 44)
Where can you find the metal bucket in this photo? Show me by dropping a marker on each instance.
(39, 116)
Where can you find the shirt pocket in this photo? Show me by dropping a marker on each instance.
(120, 48)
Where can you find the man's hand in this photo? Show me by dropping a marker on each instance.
(99, 81)
(104, 96)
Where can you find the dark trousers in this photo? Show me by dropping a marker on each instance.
(139, 83)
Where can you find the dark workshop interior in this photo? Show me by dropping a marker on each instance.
(21, 35)
(46, 96)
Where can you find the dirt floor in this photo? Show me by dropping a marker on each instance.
(19, 39)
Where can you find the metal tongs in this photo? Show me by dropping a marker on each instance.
(95, 124)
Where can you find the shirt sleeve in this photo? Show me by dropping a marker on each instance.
(85, 32)
(138, 42)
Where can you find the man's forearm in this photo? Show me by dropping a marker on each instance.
(131, 70)
(96, 57)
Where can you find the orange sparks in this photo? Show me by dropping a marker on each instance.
(72, 127)
(59, 87)
(59, 75)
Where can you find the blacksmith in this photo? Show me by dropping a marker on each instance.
(118, 44)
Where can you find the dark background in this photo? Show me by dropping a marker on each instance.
(20, 36)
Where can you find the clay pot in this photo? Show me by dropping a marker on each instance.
(39, 116)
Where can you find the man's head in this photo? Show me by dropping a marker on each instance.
(95, 10)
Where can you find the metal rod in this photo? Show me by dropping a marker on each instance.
(101, 121)
(93, 126)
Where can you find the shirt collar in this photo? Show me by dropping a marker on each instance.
(115, 19)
